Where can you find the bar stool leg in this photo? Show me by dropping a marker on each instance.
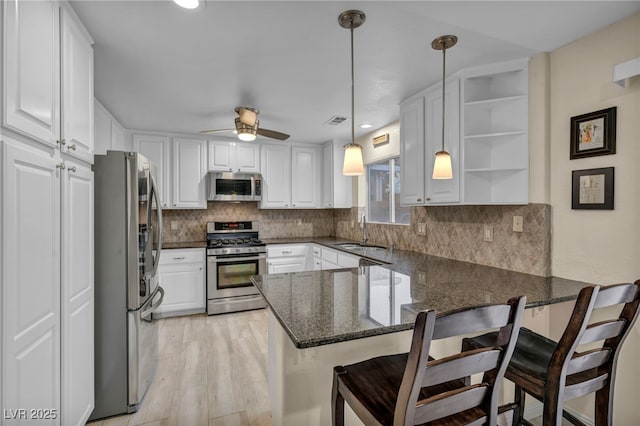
(337, 401)
(518, 398)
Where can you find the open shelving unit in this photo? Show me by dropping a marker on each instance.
(495, 143)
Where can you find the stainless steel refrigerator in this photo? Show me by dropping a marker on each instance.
(128, 242)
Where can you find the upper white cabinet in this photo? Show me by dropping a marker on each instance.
(496, 153)
(291, 176)
(48, 76)
(109, 134)
(158, 151)
(440, 191)
(231, 156)
(486, 135)
(412, 152)
(336, 187)
(189, 171)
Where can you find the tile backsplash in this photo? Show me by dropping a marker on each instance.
(454, 232)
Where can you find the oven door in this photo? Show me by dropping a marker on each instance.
(230, 275)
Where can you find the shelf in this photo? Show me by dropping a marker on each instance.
(497, 135)
(494, 101)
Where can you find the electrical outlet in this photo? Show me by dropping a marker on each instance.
(422, 229)
(422, 277)
(174, 225)
(517, 224)
(488, 233)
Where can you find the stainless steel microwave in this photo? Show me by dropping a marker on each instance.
(225, 186)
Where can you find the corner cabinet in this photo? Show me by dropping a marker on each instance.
(486, 135)
(235, 157)
(496, 144)
(108, 134)
(189, 172)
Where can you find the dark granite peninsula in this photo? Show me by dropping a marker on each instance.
(319, 319)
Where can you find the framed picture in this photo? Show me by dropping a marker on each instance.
(593, 134)
(592, 189)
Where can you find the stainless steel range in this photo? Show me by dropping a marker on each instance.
(234, 254)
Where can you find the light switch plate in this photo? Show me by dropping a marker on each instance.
(517, 224)
(488, 233)
(422, 229)
(174, 225)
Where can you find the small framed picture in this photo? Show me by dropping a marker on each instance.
(593, 134)
(592, 189)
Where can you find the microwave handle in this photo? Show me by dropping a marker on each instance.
(154, 191)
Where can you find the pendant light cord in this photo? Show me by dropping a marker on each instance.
(444, 60)
(353, 139)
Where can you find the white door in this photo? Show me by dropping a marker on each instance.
(77, 294)
(443, 190)
(189, 172)
(412, 152)
(247, 157)
(156, 149)
(30, 280)
(304, 178)
(222, 156)
(31, 65)
(275, 163)
(77, 89)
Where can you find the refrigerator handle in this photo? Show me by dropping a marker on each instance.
(155, 305)
(154, 191)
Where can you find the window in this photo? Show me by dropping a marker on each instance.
(383, 193)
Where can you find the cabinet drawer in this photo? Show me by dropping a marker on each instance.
(330, 255)
(286, 250)
(178, 256)
(317, 251)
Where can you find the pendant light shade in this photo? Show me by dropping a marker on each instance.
(442, 167)
(353, 164)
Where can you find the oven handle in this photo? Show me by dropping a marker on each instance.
(216, 259)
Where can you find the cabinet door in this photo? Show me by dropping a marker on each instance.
(102, 129)
(77, 294)
(77, 89)
(327, 175)
(304, 177)
(412, 153)
(119, 139)
(189, 171)
(247, 157)
(30, 280)
(156, 149)
(221, 156)
(282, 265)
(275, 163)
(183, 286)
(31, 65)
(443, 190)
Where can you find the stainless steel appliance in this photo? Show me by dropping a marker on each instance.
(128, 236)
(235, 186)
(234, 254)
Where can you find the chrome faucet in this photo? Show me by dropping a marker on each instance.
(363, 225)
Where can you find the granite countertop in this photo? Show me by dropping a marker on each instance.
(184, 244)
(322, 307)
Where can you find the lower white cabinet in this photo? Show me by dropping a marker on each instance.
(182, 276)
(283, 258)
(47, 303)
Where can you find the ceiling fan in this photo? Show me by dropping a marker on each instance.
(247, 126)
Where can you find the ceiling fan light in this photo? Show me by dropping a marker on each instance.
(187, 4)
(442, 168)
(246, 136)
(353, 164)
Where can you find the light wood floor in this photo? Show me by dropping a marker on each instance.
(212, 371)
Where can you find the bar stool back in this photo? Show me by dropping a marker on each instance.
(413, 388)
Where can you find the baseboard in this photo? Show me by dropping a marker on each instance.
(533, 409)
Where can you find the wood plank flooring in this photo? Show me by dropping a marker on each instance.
(212, 371)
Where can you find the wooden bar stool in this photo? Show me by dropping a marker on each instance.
(413, 388)
(554, 372)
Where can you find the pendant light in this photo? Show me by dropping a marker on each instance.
(353, 164)
(442, 168)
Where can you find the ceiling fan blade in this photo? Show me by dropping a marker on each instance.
(208, 132)
(272, 134)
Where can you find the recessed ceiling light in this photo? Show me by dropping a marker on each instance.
(187, 4)
(366, 126)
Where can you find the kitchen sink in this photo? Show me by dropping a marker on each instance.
(360, 247)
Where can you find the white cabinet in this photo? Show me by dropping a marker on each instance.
(158, 151)
(109, 134)
(440, 191)
(290, 176)
(284, 258)
(47, 283)
(189, 171)
(231, 156)
(43, 39)
(275, 163)
(412, 152)
(182, 276)
(496, 153)
(336, 187)
(346, 260)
